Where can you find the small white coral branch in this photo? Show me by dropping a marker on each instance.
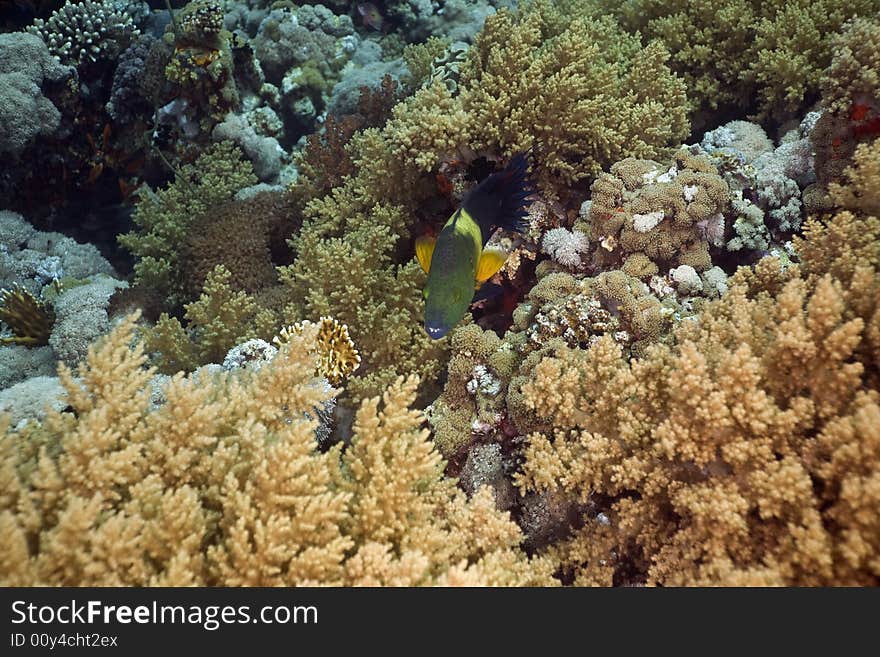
(564, 246)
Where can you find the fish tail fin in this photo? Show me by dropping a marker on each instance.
(490, 263)
(425, 251)
(499, 201)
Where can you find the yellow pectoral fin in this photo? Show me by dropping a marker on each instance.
(491, 260)
(425, 250)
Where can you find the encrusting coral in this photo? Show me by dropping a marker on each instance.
(222, 484)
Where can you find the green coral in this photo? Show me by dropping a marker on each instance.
(163, 218)
(583, 93)
(734, 51)
(346, 267)
(217, 321)
(853, 76)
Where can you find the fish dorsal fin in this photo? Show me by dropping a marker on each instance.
(425, 251)
(491, 260)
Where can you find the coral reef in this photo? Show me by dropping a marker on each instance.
(766, 183)
(56, 294)
(862, 191)
(724, 459)
(155, 501)
(672, 379)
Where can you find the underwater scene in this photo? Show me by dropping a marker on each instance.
(440, 292)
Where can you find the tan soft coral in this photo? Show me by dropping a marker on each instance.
(223, 484)
(861, 188)
(724, 460)
(574, 86)
(482, 398)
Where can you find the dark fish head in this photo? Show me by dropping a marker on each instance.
(445, 305)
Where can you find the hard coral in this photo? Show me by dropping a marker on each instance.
(337, 355)
(482, 398)
(222, 484)
(87, 31)
(734, 51)
(861, 188)
(723, 459)
(235, 234)
(163, 219)
(583, 96)
(220, 318)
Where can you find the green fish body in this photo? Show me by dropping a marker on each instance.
(458, 262)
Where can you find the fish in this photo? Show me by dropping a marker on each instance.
(371, 16)
(457, 261)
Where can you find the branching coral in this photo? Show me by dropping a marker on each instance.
(725, 459)
(87, 31)
(482, 397)
(853, 74)
(583, 95)
(734, 51)
(219, 319)
(163, 218)
(851, 96)
(223, 485)
(350, 274)
(862, 191)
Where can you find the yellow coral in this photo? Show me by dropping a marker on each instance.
(727, 459)
(29, 318)
(223, 484)
(337, 355)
